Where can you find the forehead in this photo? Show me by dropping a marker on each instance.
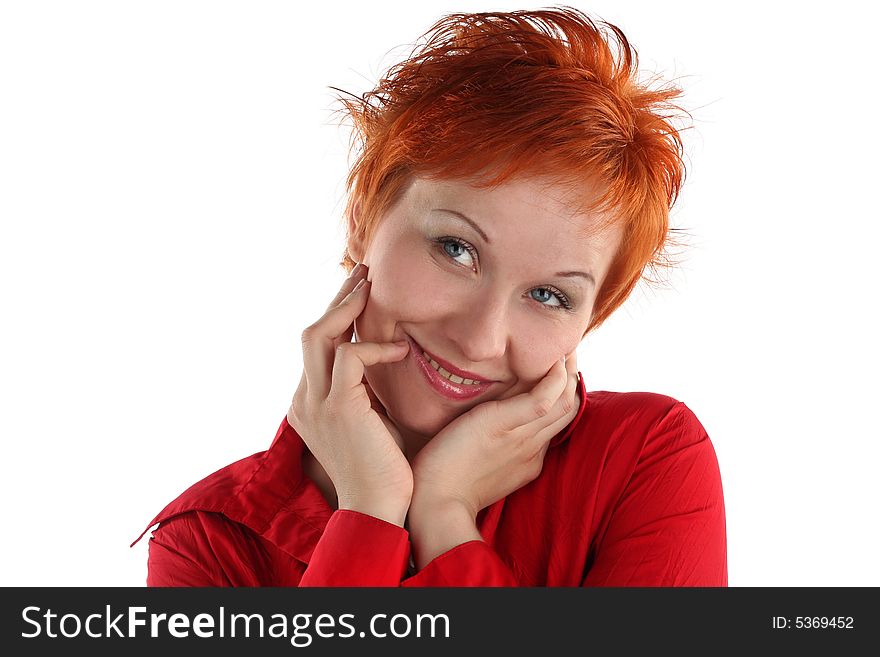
(548, 213)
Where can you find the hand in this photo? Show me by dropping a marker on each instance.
(494, 448)
(337, 417)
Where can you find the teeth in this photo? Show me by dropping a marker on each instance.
(448, 375)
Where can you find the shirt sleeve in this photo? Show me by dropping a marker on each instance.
(668, 527)
(357, 549)
(200, 548)
(474, 563)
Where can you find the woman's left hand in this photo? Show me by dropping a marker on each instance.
(497, 446)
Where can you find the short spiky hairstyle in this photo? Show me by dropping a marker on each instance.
(525, 92)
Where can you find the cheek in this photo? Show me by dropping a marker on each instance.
(537, 348)
(399, 289)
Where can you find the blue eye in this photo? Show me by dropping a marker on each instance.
(455, 247)
(459, 248)
(554, 294)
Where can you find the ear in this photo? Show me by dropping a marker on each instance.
(355, 245)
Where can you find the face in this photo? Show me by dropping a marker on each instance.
(486, 297)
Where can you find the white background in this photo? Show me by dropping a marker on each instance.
(171, 190)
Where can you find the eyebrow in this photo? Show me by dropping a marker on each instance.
(473, 224)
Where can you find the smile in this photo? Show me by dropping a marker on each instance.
(441, 381)
(448, 375)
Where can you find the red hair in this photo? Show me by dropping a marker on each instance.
(517, 93)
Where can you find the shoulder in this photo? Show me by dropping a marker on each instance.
(607, 403)
(659, 518)
(637, 426)
(213, 494)
(199, 548)
(645, 412)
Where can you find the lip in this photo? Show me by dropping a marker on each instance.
(449, 367)
(441, 385)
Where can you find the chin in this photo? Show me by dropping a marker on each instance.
(409, 404)
(420, 421)
(412, 414)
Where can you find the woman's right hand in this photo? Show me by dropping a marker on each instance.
(334, 415)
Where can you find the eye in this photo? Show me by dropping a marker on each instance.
(562, 300)
(455, 247)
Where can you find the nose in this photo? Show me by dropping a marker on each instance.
(481, 331)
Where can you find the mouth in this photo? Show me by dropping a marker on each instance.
(456, 385)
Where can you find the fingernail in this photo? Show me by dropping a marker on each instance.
(359, 285)
(356, 270)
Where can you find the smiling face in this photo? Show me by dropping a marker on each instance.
(485, 296)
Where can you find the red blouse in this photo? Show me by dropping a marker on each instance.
(630, 495)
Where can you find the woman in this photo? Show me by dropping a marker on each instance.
(514, 183)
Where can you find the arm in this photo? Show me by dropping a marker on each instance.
(668, 528)
(187, 550)
(206, 549)
(357, 549)
(449, 550)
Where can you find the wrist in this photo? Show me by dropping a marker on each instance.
(436, 528)
(393, 511)
(427, 506)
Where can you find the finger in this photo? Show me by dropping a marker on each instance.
(352, 358)
(562, 417)
(347, 334)
(345, 337)
(357, 273)
(536, 405)
(565, 404)
(321, 339)
(571, 363)
(571, 388)
(572, 370)
(571, 380)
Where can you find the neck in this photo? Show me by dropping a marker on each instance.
(412, 443)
